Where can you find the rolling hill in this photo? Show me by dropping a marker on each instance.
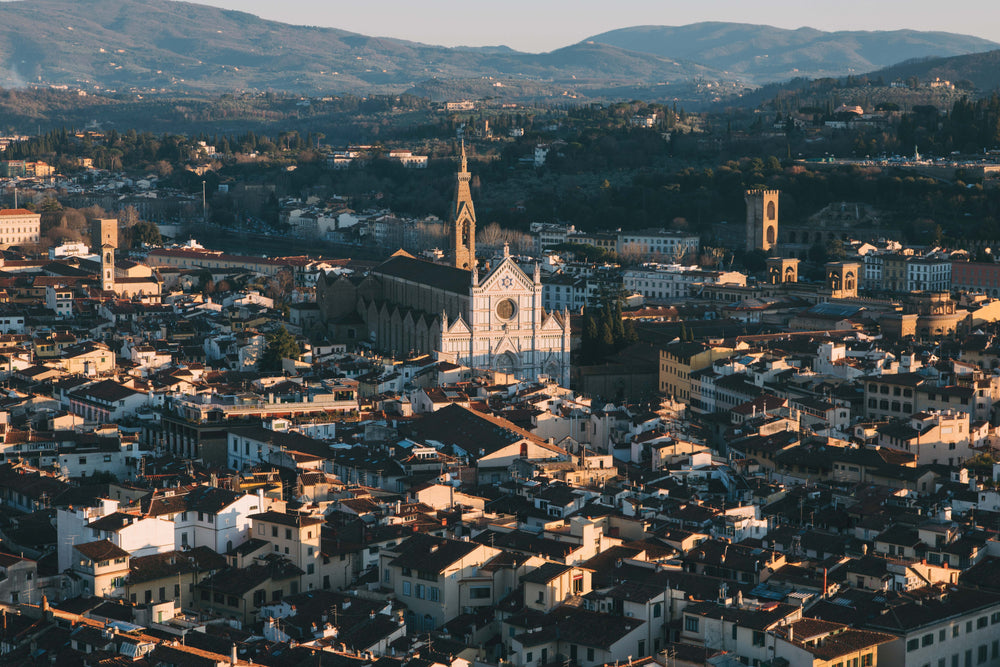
(171, 46)
(163, 44)
(982, 69)
(761, 54)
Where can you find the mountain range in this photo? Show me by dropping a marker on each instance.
(175, 46)
(764, 54)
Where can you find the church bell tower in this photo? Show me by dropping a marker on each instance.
(108, 267)
(463, 229)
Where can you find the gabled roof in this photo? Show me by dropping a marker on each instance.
(473, 431)
(101, 550)
(440, 276)
(431, 554)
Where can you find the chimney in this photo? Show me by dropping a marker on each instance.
(791, 632)
(232, 655)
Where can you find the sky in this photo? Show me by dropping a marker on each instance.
(544, 25)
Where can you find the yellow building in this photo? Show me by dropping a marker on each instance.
(101, 568)
(88, 358)
(679, 359)
(171, 576)
(295, 537)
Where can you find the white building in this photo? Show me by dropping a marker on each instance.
(927, 274)
(215, 518)
(657, 244)
(673, 281)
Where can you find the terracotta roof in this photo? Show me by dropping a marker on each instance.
(102, 550)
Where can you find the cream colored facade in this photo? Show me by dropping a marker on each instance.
(297, 538)
(508, 330)
(19, 226)
(679, 360)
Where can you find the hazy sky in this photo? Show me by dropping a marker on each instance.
(543, 25)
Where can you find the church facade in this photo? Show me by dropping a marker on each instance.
(492, 320)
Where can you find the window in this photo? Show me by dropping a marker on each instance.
(912, 645)
(434, 594)
(954, 631)
(983, 653)
(479, 593)
(758, 638)
(691, 624)
(941, 635)
(420, 591)
(288, 533)
(735, 628)
(406, 588)
(657, 610)
(928, 639)
(867, 659)
(387, 576)
(274, 531)
(311, 568)
(529, 657)
(981, 622)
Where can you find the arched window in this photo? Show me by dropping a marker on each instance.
(770, 211)
(770, 235)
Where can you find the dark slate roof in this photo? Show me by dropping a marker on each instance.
(755, 619)
(293, 520)
(431, 554)
(237, 581)
(545, 573)
(443, 277)
(210, 499)
(172, 563)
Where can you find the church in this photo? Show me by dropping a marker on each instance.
(489, 320)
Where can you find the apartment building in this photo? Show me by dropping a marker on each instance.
(295, 537)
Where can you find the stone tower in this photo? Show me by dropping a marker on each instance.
(782, 270)
(842, 279)
(108, 267)
(104, 231)
(463, 231)
(762, 219)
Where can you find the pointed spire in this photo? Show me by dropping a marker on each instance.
(444, 319)
(465, 162)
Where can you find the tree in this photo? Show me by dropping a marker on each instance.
(281, 344)
(835, 250)
(145, 232)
